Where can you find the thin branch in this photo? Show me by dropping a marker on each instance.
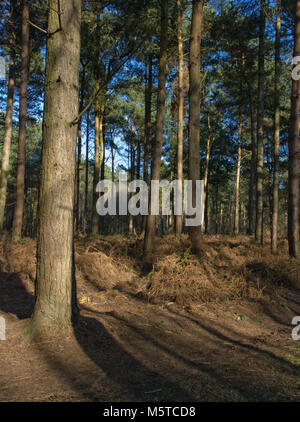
(94, 95)
(37, 27)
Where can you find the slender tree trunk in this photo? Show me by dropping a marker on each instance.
(251, 227)
(194, 118)
(87, 172)
(208, 148)
(112, 159)
(102, 144)
(148, 106)
(206, 207)
(238, 177)
(95, 217)
(160, 119)
(132, 173)
(7, 136)
(55, 280)
(293, 205)
(20, 179)
(180, 112)
(260, 126)
(77, 207)
(138, 160)
(276, 130)
(79, 136)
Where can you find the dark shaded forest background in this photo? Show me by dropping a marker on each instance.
(119, 56)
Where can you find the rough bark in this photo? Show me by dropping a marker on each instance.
(276, 130)
(194, 111)
(293, 182)
(55, 280)
(20, 178)
(159, 127)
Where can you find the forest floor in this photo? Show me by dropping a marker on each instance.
(210, 328)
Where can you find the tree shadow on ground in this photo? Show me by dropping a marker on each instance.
(225, 359)
(134, 361)
(134, 379)
(14, 296)
(121, 366)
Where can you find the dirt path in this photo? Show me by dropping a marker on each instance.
(126, 349)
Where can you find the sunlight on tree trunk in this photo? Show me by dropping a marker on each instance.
(293, 205)
(55, 280)
(20, 180)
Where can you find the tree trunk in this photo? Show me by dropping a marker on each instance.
(87, 172)
(238, 176)
(194, 118)
(55, 280)
(95, 217)
(20, 179)
(276, 130)
(79, 136)
(260, 126)
(148, 106)
(102, 144)
(77, 207)
(7, 136)
(206, 207)
(293, 205)
(208, 148)
(112, 159)
(180, 112)
(251, 206)
(132, 173)
(160, 119)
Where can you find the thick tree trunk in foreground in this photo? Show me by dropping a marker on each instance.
(20, 179)
(160, 119)
(260, 126)
(194, 118)
(293, 206)
(7, 136)
(180, 112)
(276, 130)
(238, 178)
(55, 280)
